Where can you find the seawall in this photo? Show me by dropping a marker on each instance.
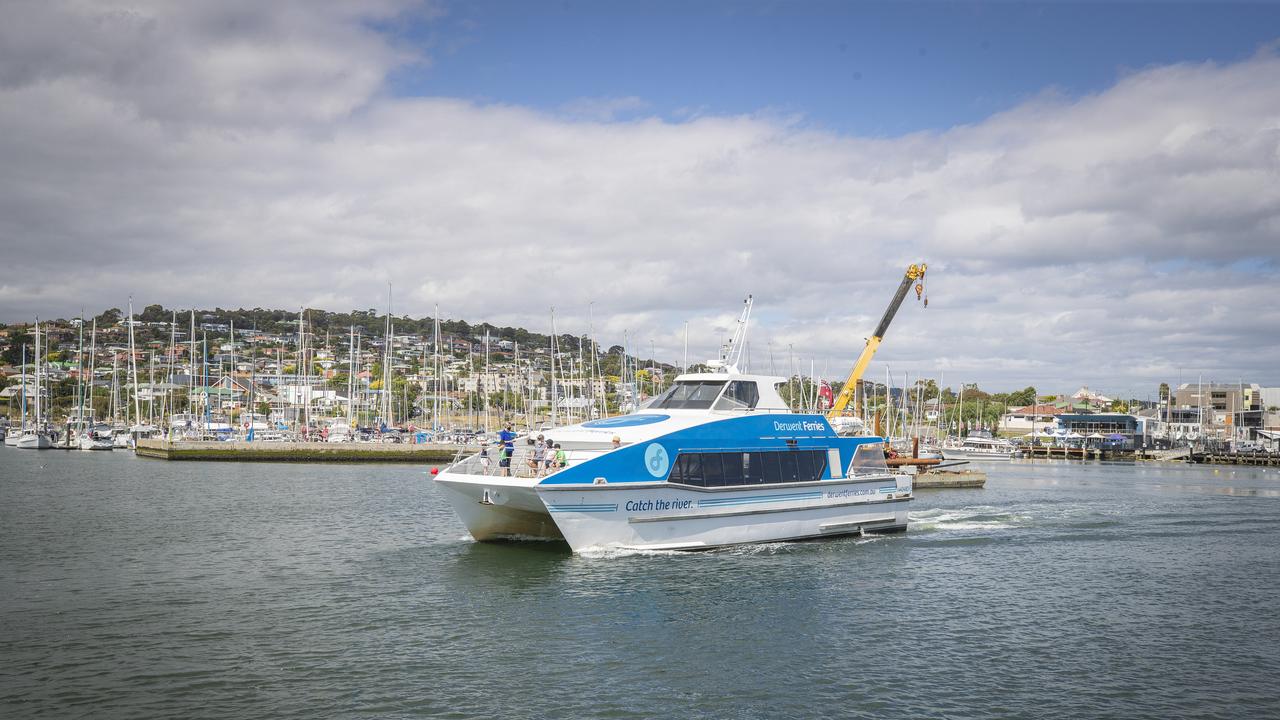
(299, 451)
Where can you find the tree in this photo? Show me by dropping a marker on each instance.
(154, 313)
(109, 318)
(13, 354)
(1025, 396)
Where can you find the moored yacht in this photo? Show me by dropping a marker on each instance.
(979, 447)
(34, 439)
(97, 437)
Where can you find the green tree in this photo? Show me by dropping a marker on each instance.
(1025, 396)
(17, 340)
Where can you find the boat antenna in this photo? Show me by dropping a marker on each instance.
(731, 352)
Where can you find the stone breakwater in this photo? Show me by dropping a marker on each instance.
(300, 451)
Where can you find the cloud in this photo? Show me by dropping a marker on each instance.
(605, 109)
(248, 154)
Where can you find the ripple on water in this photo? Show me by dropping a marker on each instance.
(143, 589)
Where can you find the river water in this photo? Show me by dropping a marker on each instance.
(132, 588)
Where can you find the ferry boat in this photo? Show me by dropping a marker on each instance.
(979, 447)
(716, 460)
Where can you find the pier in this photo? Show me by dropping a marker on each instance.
(948, 479)
(300, 451)
(1222, 458)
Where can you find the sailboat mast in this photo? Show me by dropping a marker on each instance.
(167, 409)
(79, 382)
(133, 369)
(553, 366)
(351, 377)
(191, 376)
(38, 386)
(93, 356)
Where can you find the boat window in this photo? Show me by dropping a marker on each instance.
(739, 395)
(733, 469)
(733, 463)
(868, 459)
(695, 395)
(712, 470)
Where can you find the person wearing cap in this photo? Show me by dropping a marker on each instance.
(617, 442)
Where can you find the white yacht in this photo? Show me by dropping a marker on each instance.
(340, 432)
(97, 437)
(34, 439)
(716, 460)
(979, 447)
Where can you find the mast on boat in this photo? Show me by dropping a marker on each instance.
(133, 369)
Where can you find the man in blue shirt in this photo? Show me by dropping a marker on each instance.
(507, 439)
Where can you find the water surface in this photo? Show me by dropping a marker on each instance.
(132, 588)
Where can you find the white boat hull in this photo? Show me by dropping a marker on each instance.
(87, 443)
(674, 517)
(976, 455)
(34, 441)
(499, 508)
(11, 439)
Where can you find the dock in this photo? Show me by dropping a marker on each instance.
(426, 453)
(1261, 459)
(949, 479)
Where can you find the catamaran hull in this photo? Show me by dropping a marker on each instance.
(665, 517)
(668, 517)
(498, 508)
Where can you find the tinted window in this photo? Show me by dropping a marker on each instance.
(753, 468)
(789, 471)
(696, 395)
(739, 395)
(711, 470)
(748, 468)
(732, 467)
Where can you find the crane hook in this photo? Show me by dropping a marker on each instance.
(919, 290)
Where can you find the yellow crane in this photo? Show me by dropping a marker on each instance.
(915, 274)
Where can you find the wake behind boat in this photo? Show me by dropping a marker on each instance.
(718, 459)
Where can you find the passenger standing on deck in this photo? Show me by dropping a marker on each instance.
(539, 456)
(484, 459)
(507, 438)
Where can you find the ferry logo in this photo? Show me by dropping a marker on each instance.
(656, 460)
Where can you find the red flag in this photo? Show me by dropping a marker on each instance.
(825, 397)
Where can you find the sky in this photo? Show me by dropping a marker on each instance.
(1095, 186)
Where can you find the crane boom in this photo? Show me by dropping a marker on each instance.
(914, 274)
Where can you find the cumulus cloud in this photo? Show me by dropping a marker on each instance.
(248, 154)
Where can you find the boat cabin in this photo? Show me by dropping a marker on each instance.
(720, 392)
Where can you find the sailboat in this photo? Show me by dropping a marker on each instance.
(11, 438)
(95, 436)
(36, 437)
